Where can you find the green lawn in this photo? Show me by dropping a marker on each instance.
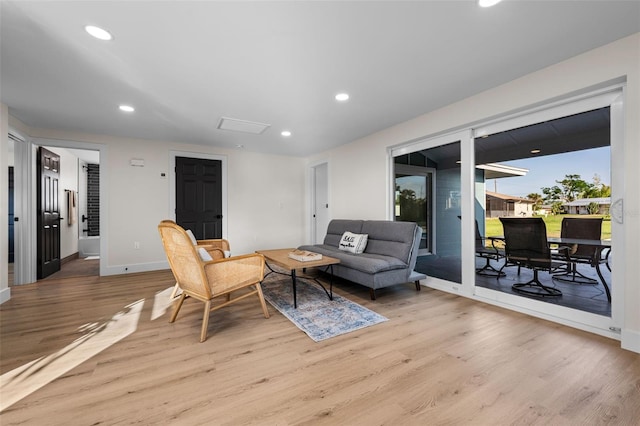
(494, 227)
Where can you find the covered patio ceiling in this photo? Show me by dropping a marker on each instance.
(577, 132)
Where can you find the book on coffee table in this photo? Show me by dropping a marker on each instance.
(304, 255)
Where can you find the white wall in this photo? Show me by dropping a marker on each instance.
(363, 163)
(265, 197)
(5, 292)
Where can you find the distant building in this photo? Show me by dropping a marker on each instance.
(544, 210)
(581, 206)
(501, 205)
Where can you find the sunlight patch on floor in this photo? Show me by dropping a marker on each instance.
(22, 381)
(161, 303)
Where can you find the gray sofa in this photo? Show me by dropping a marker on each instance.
(388, 259)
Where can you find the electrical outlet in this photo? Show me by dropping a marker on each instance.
(136, 245)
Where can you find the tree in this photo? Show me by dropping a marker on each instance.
(573, 187)
(411, 207)
(537, 200)
(593, 208)
(552, 194)
(556, 207)
(598, 189)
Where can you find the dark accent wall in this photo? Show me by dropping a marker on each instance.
(93, 199)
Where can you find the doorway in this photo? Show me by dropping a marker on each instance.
(319, 202)
(435, 204)
(25, 202)
(79, 212)
(199, 196)
(558, 140)
(206, 186)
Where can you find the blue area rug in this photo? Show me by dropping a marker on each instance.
(319, 317)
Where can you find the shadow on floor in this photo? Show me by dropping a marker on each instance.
(585, 297)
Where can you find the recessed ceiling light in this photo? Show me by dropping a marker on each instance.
(98, 32)
(126, 108)
(535, 151)
(285, 133)
(488, 3)
(342, 97)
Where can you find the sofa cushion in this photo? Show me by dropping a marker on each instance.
(389, 238)
(338, 227)
(370, 264)
(353, 243)
(367, 263)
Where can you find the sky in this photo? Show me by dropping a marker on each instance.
(545, 171)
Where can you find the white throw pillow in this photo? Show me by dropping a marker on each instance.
(354, 243)
(192, 237)
(204, 255)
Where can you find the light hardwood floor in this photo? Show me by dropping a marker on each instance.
(106, 354)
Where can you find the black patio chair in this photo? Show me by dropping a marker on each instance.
(526, 246)
(489, 253)
(589, 228)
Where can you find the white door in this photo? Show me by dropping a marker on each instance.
(320, 204)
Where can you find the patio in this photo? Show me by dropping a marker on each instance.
(585, 297)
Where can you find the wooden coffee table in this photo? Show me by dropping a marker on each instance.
(280, 257)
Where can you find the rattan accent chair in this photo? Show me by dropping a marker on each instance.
(216, 248)
(488, 253)
(588, 228)
(526, 246)
(207, 281)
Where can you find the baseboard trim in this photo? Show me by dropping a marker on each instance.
(630, 340)
(134, 268)
(5, 294)
(69, 258)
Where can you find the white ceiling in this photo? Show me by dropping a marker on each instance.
(186, 64)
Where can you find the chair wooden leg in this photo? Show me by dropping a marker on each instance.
(262, 302)
(174, 293)
(205, 321)
(177, 307)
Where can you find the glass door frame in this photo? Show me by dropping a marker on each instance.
(463, 137)
(613, 98)
(429, 174)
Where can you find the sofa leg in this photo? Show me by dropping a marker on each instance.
(372, 292)
(418, 285)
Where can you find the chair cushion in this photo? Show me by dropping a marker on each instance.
(192, 237)
(204, 254)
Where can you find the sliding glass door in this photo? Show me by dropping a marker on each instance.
(427, 190)
(555, 164)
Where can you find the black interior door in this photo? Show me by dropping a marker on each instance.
(199, 196)
(11, 216)
(48, 213)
